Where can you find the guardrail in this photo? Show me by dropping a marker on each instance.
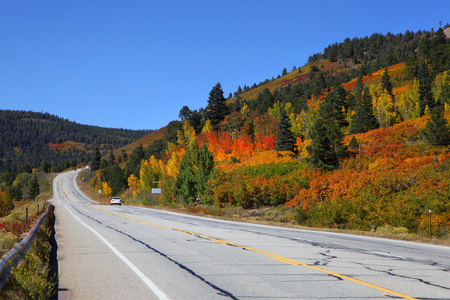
(15, 255)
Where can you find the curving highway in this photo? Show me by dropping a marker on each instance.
(127, 252)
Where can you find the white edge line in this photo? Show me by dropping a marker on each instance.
(158, 292)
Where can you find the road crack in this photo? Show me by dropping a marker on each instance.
(221, 292)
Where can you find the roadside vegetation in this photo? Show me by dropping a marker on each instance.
(33, 277)
(358, 139)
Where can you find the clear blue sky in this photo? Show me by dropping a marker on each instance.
(135, 64)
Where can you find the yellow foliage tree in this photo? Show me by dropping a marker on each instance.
(133, 184)
(186, 136)
(207, 127)
(408, 102)
(245, 111)
(384, 107)
(106, 190)
(173, 163)
(275, 111)
(150, 172)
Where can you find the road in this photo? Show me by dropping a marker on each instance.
(127, 252)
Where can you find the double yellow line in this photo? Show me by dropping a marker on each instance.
(273, 256)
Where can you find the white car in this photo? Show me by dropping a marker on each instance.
(116, 200)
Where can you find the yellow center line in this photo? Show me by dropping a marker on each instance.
(273, 256)
(62, 185)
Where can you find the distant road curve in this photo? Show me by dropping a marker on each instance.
(127, 252)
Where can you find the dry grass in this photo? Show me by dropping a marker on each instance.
(90, 193)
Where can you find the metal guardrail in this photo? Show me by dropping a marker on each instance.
(15, 255)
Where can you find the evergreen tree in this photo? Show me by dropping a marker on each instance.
(170, 133)
(156, 149)
(286, 139)
(33, 191)
(96, 160)
(124, 156)
(217, 109)
(326, 147)
(353, 144)
(45, 166)
(363, 119)
(387, 85)
(437, 131)
(134, 163)
(331, 109)
(386, 82)
(111, 158)
(425, 92)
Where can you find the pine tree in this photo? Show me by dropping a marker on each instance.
(326, 147)
(363, 119)
(33, 187)
(111, 158)
(322, 154)
(217, 109)
(286, 139)
(425, 92)
(96, 159)
(437, 131)
(387, 85)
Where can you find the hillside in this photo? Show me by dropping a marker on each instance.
(28, 138)
(358, 138)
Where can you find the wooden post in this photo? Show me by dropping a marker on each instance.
(429, 223)
(26, 213)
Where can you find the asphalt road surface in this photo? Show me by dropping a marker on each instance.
(127, 252)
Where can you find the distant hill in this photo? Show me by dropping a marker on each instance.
(28, 138)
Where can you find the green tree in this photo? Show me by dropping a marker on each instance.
(286, 139)
(425, 92)
(111, 158)
(171, 131)
(116, 179)
(387, 85)
(33, 185)
(195, 170)
(363, 119)
(186, 181)
(205, 167)
(353, 144)
(326, 147)
(217, 109)
(96, 160)
(124, 156)
(386, 82)
(45, 166)
(134, 163)
(156, 149)
(437, 131)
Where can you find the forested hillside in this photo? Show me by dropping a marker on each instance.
(29, 138)
(357, 138)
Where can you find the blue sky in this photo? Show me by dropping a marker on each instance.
(135, 64)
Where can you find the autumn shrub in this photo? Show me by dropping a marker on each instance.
(271, 169)
(7, 239)
(31, 278)
(387, 229)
